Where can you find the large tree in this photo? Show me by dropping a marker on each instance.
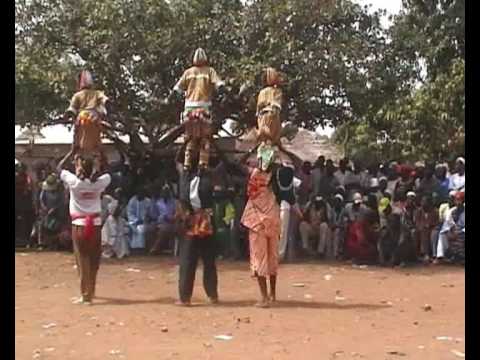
(332, 53)
(423, 111)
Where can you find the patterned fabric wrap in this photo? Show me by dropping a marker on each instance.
(89, 130)
(197, 123)
(199, 224)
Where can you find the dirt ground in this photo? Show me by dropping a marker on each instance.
(340, 312)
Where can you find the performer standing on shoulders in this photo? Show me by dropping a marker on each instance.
(88, 108)
(199, 83)
(85, 207)
(269, 106)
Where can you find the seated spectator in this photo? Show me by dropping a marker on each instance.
(426, 223)
(451, 242)
(138, 210)
(315, 230)
(407, 247)
(317, 174)
(115, 233)
(360, 241)
(457, 180)
(51, 209)
(162, 214)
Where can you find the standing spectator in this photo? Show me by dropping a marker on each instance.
(338, 225)
(406, 183)
(457, 180)
(51, 208)
(353, 181)
(138, 209)
(407, 248)
(389, 236)
(305, 175)
(392, 178)
(317, 174)
(426, 222)
(328, 182)
(316, 227)
(342, 173)
(24, 210)
(429, 184)
(444, 182)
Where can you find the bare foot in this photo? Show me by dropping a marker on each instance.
(183, 303)
(262, 304)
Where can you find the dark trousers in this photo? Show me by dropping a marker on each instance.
(190, 251)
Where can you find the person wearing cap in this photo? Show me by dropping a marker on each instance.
(199, 83)
(360, 243)
(451, 241)
(315, 229)
(51, 208)
(457, 180)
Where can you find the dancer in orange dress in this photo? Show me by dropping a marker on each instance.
(262, 219)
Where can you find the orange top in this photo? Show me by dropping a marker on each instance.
(269, 96)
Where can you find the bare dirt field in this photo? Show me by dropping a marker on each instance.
(325, 311)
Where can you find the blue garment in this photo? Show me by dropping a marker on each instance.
(163, 211)
(137, 212)
(443, 189)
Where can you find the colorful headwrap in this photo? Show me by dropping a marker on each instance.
(265, 155)
(85, 80)
(383, 204)
(200, 57)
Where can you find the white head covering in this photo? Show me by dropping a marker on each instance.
(374, 182)
(200, 57)
(357, 198)
(461, 160)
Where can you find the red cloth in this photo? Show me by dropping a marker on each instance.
(89, 228)
(360, 243)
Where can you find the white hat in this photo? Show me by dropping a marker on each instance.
(461, 160)
(339, 196)
(411, 194)
(374, 182)
(382, 178)
(357, 198)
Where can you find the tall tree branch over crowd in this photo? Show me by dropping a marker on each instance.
(343, 68)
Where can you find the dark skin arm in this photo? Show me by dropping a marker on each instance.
(61, 164)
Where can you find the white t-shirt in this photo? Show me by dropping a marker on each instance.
(85, 196)
(457, 182)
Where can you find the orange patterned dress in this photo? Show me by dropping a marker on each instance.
(262, 218)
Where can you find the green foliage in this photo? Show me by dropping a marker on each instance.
(342, 67)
